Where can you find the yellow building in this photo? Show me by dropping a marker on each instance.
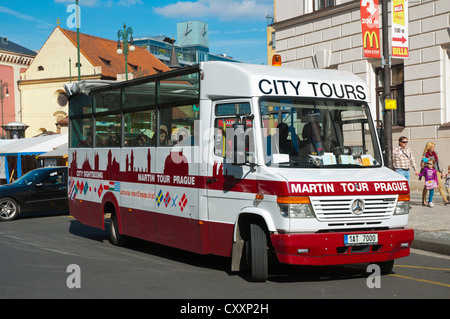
(44, 102)
(270, 36)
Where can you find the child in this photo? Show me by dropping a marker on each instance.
(431, 181)
(447, 181)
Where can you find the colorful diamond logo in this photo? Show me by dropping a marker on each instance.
(159, 198)
(183, 202)
(100, 190)
(167, 199)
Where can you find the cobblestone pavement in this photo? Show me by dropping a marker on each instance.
(431, 224)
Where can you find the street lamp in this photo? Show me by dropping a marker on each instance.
(123, 34)
(3, 93)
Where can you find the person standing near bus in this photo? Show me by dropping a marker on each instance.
(403, 158)
(429, 153)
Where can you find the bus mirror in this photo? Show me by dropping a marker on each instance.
(235, 148)
(239, 144)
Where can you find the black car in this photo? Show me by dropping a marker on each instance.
(40, 190)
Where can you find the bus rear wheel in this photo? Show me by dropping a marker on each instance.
(114, 236)
(257, 255)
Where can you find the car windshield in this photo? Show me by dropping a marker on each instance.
(28, 178)
(318, 133)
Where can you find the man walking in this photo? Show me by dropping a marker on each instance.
(403, 158)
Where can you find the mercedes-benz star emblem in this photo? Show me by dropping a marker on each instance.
(357, 206)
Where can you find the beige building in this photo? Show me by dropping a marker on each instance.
(327, 34)
(44, 102)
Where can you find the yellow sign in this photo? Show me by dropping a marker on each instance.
(372, 36)
(390, 104)
(400, 52)
(399, 12)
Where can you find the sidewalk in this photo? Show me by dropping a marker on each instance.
(431, 225)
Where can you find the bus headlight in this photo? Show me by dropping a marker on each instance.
(402, 207)
(295, 207)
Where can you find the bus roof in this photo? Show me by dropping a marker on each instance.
(223, 80)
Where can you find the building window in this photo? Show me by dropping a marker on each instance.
(105, 61)
(397, 92)
(40, 68)
(322, 4)
(62, 99)
(273, 40)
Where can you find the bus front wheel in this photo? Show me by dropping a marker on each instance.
(257, 255)
(386, 267)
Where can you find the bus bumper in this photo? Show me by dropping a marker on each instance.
(329, 248)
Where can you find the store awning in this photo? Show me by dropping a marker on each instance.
(60, 151)
(33, 145)
(29, 146)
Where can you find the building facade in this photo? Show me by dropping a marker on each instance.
(14, 59)
(327, 34)
(44, 101)
(191, 46)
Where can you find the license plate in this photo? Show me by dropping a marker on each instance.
(360, 239)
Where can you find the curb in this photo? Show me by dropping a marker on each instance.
(434, 245)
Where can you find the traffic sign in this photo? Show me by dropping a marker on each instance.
(399, 38)
(390, 104)
(370, 27)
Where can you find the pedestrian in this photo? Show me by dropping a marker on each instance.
(431, 180)
(403, 158)
(430, 153)
(447, 182)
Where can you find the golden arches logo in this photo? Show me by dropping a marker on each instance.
(372, 36)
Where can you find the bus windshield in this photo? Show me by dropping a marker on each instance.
(318, 133)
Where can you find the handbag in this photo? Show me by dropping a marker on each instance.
(431, 184)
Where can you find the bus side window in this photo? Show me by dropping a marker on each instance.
(81, 132)
(178, 123)
(226, 115)
(108, 130)
(139, 128)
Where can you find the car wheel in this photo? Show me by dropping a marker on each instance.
(9, 209)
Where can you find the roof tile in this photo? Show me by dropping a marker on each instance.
(102, 52)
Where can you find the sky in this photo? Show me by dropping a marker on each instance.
(237, 28)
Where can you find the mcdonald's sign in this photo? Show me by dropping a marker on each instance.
(370, 27)
(371, 38)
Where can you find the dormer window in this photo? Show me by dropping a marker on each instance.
(134, 67)
(105, 61)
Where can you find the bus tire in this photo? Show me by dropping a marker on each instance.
(257, 254)
(115, 237)
(386, 267)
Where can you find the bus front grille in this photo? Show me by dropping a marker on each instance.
(351, 208)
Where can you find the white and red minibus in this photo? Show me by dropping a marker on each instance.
(246, 161)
